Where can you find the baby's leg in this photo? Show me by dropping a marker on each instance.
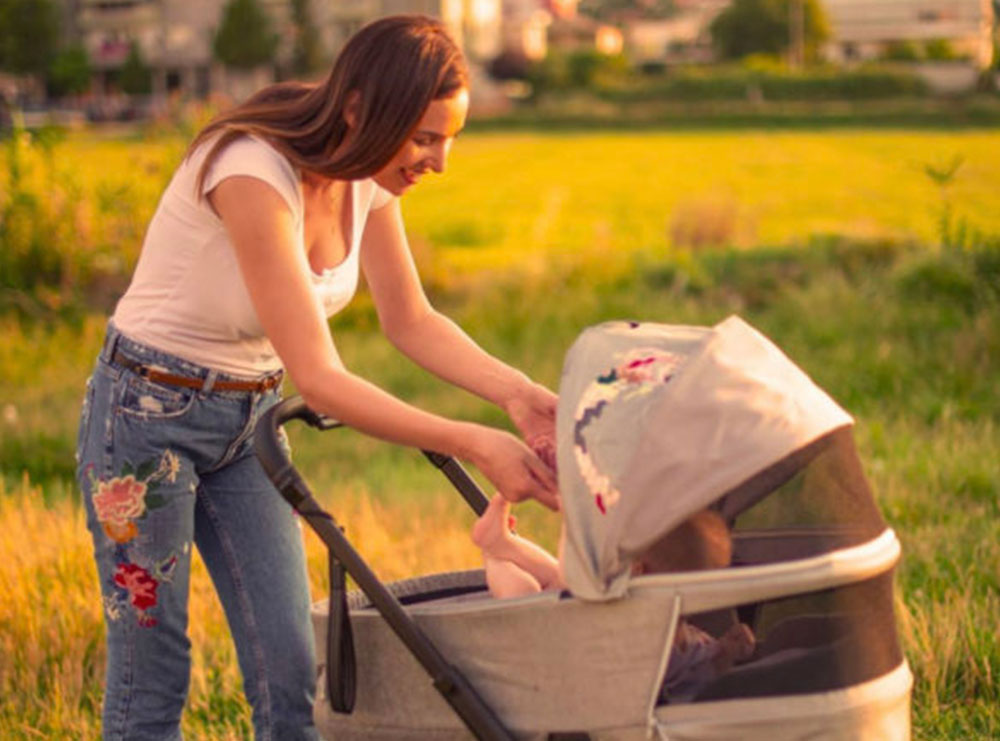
(507, 579)
(492, 534)
(492, 528)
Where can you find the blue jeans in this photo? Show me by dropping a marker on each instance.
(163, 467)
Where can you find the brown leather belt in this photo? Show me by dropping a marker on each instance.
(171, 379)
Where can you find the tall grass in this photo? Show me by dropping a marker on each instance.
(905, 334)
(72, 218)
(51, 628)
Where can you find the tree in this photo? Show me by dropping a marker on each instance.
(69, 73)
(940, 50)
(135, 77)
(764, 27)
(307, 54)
(244, 38)
(29, 30)
(902, 51)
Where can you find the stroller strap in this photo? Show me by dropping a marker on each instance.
(340, 664)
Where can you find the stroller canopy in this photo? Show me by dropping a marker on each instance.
(657, 422)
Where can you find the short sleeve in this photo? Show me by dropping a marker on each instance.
(255, 158)
(381, 197)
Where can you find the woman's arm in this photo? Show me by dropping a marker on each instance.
(435, 342)
(276, 272)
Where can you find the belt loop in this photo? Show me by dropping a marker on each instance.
(111, 342)
(210, 379)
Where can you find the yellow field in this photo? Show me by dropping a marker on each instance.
(602, 214)
(522, 200)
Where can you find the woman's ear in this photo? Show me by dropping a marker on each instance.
(352, 109)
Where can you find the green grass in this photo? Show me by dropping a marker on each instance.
(577, 111)
(528, 240)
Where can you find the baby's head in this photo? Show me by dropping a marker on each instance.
(700, 542)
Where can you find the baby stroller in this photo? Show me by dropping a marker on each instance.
(655, 423)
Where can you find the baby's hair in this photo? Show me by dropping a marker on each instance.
(700, 542)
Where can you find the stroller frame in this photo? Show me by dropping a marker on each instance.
(478, 717)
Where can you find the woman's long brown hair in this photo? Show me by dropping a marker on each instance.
(396, 66)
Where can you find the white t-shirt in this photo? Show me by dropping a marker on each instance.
(188, 297)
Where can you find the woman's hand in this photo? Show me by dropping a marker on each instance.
(510, 465)
(533, 411)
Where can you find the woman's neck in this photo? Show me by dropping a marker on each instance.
(319, 188)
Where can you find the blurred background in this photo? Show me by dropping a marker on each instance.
(827, 169)
(63, 61)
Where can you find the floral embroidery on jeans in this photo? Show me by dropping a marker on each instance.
(122, 500)
(636, 372)
(141, 589)
(136, 586)
(119, 502)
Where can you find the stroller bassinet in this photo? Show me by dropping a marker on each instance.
(655, 423)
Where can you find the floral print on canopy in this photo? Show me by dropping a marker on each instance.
(636, 372)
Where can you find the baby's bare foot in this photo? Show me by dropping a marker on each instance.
(493, 527)
(739, 642)
(735, 646)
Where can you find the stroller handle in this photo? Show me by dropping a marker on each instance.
(450, 683)
(272, 454)
(279, 468)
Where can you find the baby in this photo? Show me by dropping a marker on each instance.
(515, 566)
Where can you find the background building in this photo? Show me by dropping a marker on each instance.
(681, 38)
(861, 30)
(869, 29)
(175, 36)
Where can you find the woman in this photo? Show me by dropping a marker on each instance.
(256, 241)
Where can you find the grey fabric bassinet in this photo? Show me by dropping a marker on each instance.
(549, 663)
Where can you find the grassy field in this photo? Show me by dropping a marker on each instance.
(827, 241)
(526, 201)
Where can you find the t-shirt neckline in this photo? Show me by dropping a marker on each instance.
(352, 247)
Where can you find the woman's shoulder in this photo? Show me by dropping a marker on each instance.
(373, 194)
(250, 152)
(251, 156)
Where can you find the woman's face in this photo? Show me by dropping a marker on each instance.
(428, 145)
